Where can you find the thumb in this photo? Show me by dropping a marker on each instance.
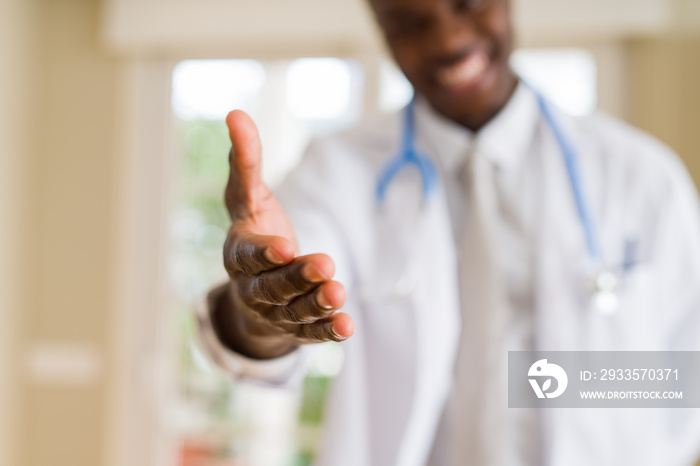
(245, 159)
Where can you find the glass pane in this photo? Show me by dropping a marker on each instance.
(318, 88)
(209, 89)
(567, 76)
(394, 89)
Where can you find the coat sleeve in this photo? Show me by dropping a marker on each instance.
(286, 371)
(677, 253)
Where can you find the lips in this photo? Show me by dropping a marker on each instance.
(465, 73)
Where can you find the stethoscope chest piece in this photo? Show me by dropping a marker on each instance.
(604, 287)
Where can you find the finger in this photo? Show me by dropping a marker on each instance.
(338, 327)
(309, 308)
(252, 254)
(245, 160)
(281, 285)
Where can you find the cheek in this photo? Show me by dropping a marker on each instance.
(497, 24)
(408, 59)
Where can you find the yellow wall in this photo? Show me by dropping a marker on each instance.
(72, 155)
(665, 93)
(16, 28)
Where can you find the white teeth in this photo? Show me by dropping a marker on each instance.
(466, 71)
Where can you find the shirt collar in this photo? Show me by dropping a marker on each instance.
(504, 140)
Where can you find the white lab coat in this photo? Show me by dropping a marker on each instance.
(386, 403)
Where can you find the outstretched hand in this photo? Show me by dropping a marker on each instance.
(280, 299)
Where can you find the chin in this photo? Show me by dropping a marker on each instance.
(475, 102)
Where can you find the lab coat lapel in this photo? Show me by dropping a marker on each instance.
(437, 315)
(561, 251)
(561, 248)
(411, 340)
(390, 329)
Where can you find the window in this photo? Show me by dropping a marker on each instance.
(567, 76)
(395, 91)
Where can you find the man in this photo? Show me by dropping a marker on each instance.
(498, 248)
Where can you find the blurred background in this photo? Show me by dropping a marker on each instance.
(113, 159)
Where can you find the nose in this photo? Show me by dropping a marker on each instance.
(452, 35)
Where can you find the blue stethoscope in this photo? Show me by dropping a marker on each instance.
(602, 283)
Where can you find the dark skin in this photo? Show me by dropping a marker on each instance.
(428, 38)
(455, 53)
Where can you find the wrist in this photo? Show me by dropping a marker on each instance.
(238, 330)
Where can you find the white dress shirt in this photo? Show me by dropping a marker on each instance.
(515, 158)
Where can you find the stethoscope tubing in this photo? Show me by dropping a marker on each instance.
(571, 161)
(410, 156)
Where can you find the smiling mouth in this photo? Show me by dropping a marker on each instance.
(466, 72)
